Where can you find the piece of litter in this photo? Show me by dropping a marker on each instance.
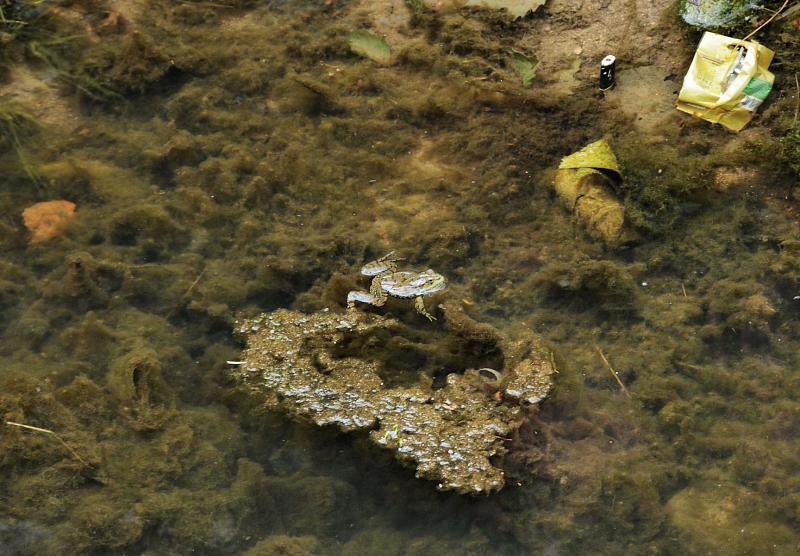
(727, 81)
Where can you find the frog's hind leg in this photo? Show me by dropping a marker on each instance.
(419, 305)
(363, 297)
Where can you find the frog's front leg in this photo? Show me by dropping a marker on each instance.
(377, 292)
(419, 305)
(387, 263)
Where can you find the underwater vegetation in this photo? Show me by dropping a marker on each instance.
(16, 127)
(29, 32)
(251, 161)
(790, 151)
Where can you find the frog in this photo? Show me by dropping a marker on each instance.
(387, 282)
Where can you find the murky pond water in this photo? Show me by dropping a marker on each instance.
(232, 157)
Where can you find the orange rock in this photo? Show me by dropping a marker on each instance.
(47, 220)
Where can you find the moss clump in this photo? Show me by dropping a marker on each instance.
(741, 307)
(785, 272)
(147, 224)
(790, 150)
(589, 283)
(660, 190)
(284, 545)
(131, 65)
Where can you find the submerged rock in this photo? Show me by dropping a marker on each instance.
(715, 13)
(326, 367)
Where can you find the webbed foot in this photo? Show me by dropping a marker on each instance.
(419, 305)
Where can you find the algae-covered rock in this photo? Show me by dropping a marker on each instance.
(325, 367)
(584, 183)
(715, 13)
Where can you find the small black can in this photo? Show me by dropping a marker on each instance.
(607, 70)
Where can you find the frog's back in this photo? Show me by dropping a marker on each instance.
(408, 284)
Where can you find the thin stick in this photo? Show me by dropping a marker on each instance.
(186, 294)
(54, 435)
(613, 372)
(684, 290)
(767, 22)
(797, 100)
(690, 366)
(196, 280)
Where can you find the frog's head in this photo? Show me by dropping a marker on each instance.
(430, 282)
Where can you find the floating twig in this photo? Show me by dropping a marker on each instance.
(54, 435)
(613, 372)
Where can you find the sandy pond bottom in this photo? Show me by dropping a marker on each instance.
(250, 161)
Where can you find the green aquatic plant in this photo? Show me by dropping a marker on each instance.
(16, 16)
(16, 129)
(19, 22)
(32, 32)
(47, 52)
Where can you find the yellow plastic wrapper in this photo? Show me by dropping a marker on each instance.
(727, 81)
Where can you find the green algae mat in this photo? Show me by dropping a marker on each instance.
(176, 174)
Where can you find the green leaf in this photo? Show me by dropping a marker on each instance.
(524, 65)
(370, 46)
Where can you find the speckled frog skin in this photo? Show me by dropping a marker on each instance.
(388, 281)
